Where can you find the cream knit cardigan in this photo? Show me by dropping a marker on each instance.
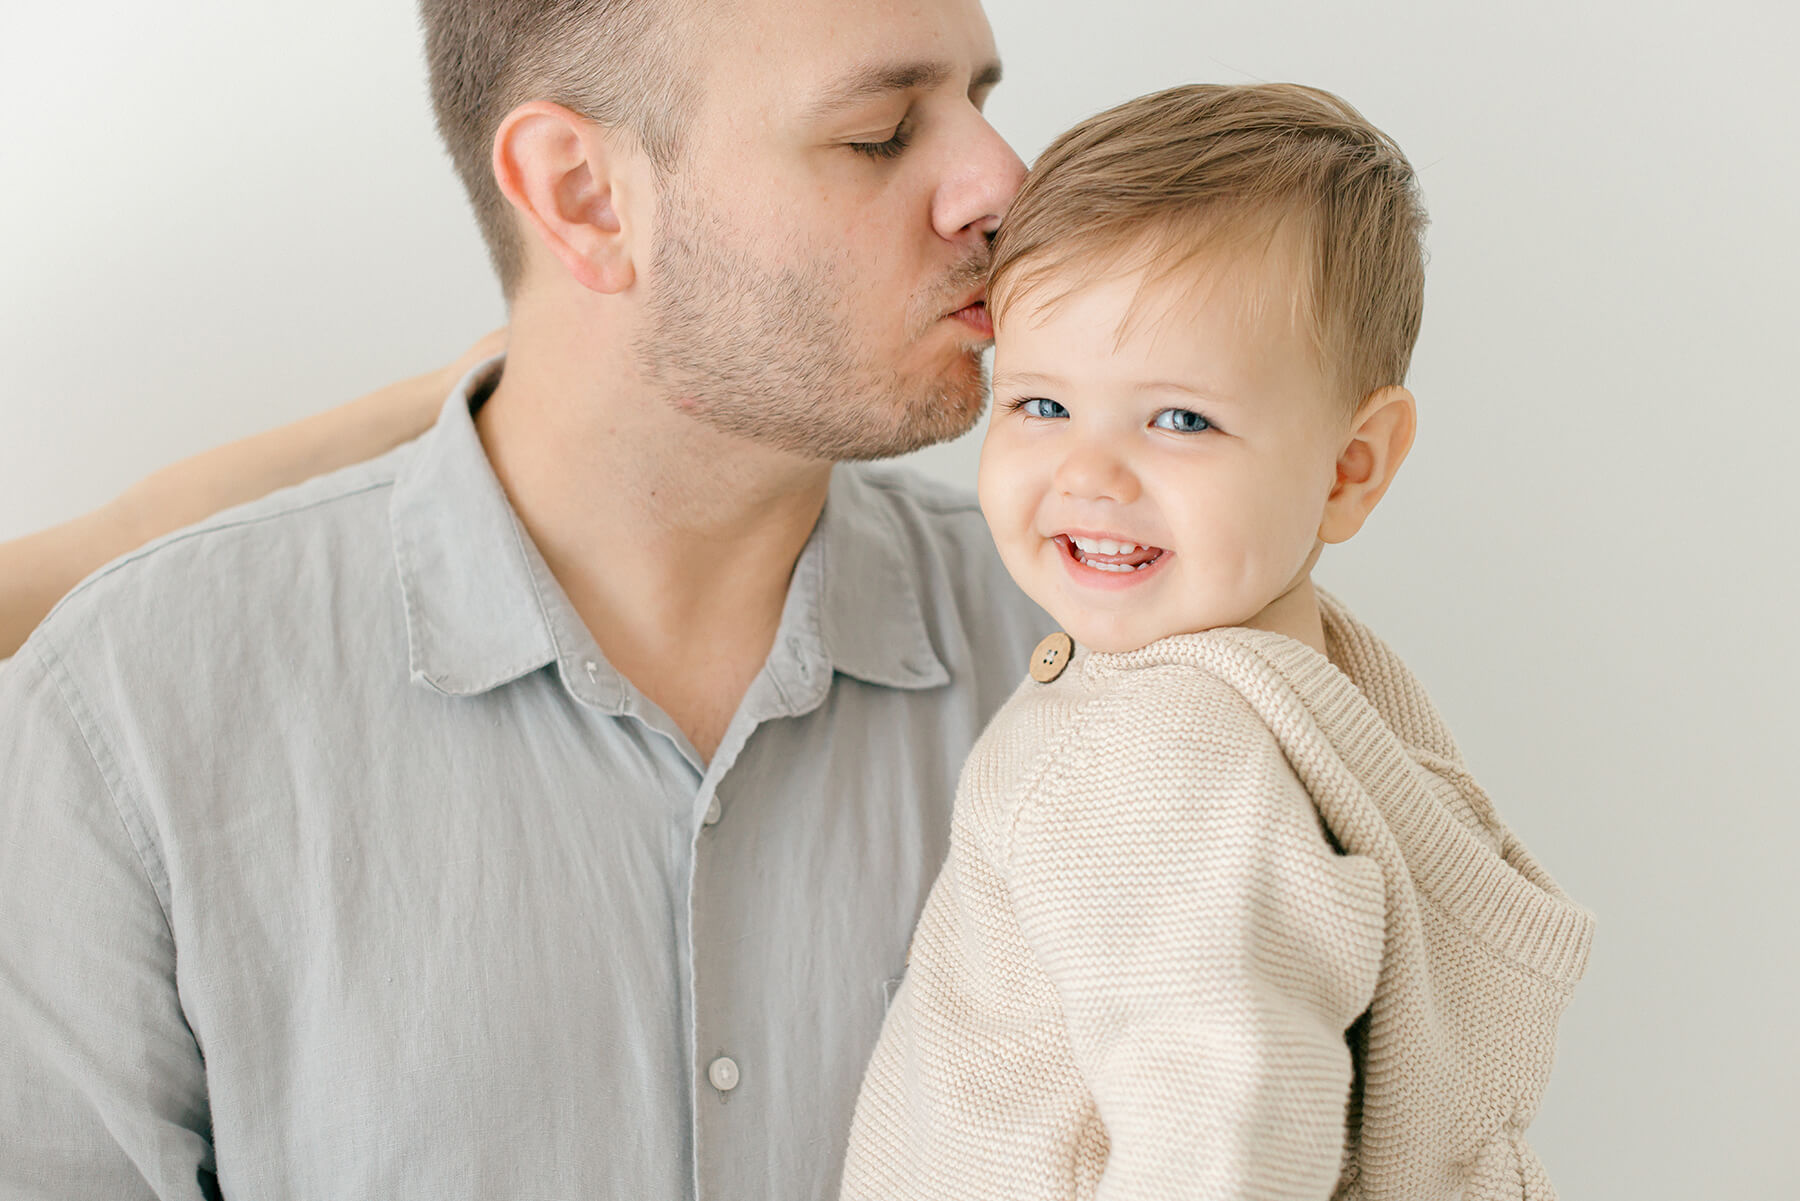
(1222, 918)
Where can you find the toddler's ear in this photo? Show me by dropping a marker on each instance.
(1381, 434)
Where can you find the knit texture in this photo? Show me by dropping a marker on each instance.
(1222, 918)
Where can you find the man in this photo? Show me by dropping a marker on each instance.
(543, 809)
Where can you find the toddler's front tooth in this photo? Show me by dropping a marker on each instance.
(1103, 546)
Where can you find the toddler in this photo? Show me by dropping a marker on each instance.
(1224, 914)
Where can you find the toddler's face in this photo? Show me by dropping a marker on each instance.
(1163, 474)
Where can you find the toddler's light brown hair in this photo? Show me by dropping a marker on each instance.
(1161, 180)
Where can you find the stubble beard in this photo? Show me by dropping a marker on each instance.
(773, 356)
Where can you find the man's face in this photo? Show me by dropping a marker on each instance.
(1160, 464)
(822, 248)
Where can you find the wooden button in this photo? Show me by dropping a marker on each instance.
(1051, 656)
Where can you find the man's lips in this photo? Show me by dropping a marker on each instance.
(975, 316)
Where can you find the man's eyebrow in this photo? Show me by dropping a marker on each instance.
(872, 83)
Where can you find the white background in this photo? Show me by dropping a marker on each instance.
(216, 216)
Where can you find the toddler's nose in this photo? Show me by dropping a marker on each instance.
(1095, 472)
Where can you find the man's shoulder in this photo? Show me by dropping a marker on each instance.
(938, 529)
(931, 522)
(947, 512)
(240, 575)
(928, 538)
(340, 506)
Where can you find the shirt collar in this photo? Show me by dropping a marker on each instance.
(873, 616)
(482, 610)
(473, 619)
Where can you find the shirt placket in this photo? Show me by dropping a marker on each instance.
(731, 1104)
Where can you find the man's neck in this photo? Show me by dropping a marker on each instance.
(673, 541)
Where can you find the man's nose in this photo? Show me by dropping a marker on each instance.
(979, 185)
(1096, 471)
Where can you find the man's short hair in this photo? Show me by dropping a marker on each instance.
(625, 64)
(1158, 181)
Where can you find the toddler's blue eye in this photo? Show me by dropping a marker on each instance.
(1182, 421)
(1038, 406)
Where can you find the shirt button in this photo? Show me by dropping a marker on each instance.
(1051, 656)
(723, 1072)
(714, 811)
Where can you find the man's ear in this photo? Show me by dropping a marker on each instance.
(1381, 434)
(569, 179)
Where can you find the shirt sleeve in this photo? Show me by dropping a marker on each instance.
(1209, 947)
(104, 1090)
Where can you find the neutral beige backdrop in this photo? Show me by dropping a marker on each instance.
(217, 216)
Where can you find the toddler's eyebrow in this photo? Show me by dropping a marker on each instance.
(1029, 379)
(1170, 385)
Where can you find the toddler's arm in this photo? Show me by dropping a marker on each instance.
(1209, 947)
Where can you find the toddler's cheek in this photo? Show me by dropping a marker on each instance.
(990, 489)
(1006, 491)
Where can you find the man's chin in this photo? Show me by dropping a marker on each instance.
(944, 413)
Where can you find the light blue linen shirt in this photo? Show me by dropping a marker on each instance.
(335, 861)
